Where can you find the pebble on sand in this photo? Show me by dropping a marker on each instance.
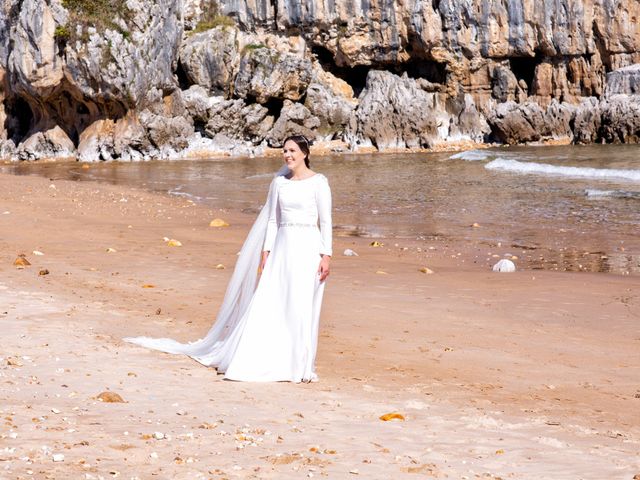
(172, 242)
(504, 266)
(426, 270)
(218, 222)
(375, 243)
(110, 397)
(21, 261)
(391, 416)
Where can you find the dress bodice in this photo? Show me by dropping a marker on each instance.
(300, 204)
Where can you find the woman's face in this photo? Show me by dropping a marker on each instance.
(293, 156)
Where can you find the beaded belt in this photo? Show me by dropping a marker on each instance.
(298, 225)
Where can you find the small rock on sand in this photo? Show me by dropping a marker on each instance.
(110, 397)
(504, 266)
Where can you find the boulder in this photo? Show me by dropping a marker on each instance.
(393, 112)
(514, 123)
(294, 119)
(7, 149)
(53, 143)
(236, 120)
(166, 132)
(97, 142)
(197, 103)
(621, 119)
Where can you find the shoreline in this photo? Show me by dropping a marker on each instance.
(541, 366)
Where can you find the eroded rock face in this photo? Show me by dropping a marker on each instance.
(135, 85)
(624, 81)
(294, 119)
(239, 121)
(62, 72)
(621, 119)
(394, 113)
(266, 73)
(586, 124)
(512, 123)
(53, 144)
(211, 59)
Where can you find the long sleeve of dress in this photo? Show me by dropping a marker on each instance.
(272, 226)
(323, 202)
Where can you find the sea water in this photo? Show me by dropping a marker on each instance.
(559, 207)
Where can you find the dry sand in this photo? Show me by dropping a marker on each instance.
(530, 375)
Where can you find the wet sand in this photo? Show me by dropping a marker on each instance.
(533, 374)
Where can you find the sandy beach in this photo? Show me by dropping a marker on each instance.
(528, 375)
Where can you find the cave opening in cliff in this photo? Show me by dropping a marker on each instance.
(355, 76)
(183, 78)
(274, 106)
(434, 72)
(19, 119)
(524, 68)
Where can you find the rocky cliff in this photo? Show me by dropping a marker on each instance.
(128, 79)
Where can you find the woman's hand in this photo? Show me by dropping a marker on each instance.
(263, 261)
(323, 269)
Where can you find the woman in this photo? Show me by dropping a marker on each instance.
(267, 326)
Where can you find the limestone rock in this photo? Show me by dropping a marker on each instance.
(331, 100)
(512, 123)
(167, 132)
(294, 119)
(504, 266)
(466, 122)
(393, 112)
(504, 84)
(266, 73)
(558, 118)
(236, 120)
(197, 102)
(210, 59)
(68, 68)
(130, 139)
(97, 142)
(587, 120)
(621, 119)
(624, 81)
(7, 149)
(53, 143)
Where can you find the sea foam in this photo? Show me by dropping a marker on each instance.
(471, 155)
(546, 169)
(592, 193)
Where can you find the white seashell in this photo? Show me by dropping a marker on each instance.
(58, 457)
(504, 266)
(349, 253)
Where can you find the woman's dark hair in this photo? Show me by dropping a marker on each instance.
(303, 144)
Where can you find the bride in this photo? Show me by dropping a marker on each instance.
(267, 326)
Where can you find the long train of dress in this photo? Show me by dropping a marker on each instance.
(267, 326)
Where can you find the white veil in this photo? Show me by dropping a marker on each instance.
(210, 349)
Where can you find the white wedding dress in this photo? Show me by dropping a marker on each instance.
(267, 326)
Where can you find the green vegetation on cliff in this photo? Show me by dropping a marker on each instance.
(100, 14)
(211, 18)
